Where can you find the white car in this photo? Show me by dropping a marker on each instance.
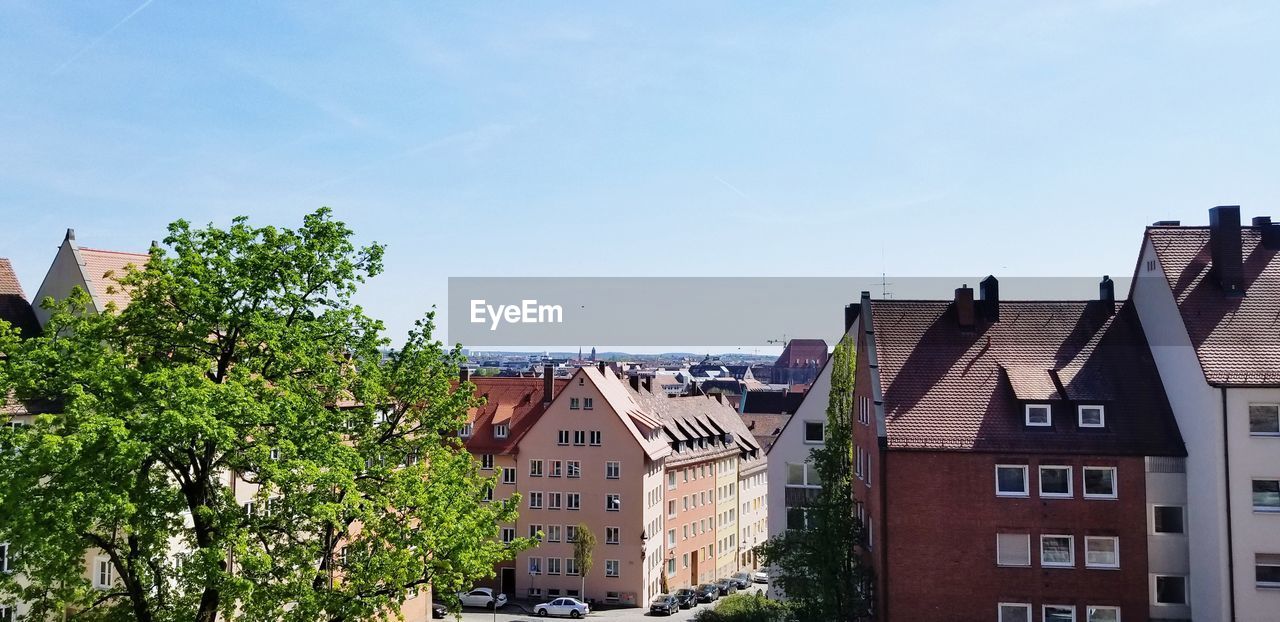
(759, 576)
(482, 597)
(571, 607)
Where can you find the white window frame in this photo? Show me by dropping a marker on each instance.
(574, 403)
(570, 567)
(1070, 482)
(1044, 610)
(822, 425)
(617, 535)
(534, 494)
(573, 501)
(1071, 549)
(486, 462)
(1048, 413)
(595, 438)
(508, 476)
(501, 430)
(536, 533)
(562, 437)
(102, 566)
(1001, 606)
(1088, 611)
(1102, 415)
(588, 403)
(1264, 434)
(613, 499)
(537, 462)
(466, 430)
(1115, 541)
(508, 531)
(535, 565)
(1262, 509)
(1182, 510)
(1026, 480)
(612, 469)
(1186, 587)
(611, 567)
(999, 562)
(1271, 561)
(1115, 482)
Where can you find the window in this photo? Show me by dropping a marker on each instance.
(610, 567)
(1266, 569)
(535, 565)
(813, 432)
(575, 468)
(486, 462)
(4, 557)
(1094, 613)
(1059, 613)
(275, 453)
(595, 437)
(500, 430)
(570, 566)
(1015, 612)
(535, 468)
(671, 481)
(1099, 482)
(535, 500)
(1266, 495)
(508, 534)
(611, 535)
(1039, 415)
(579, 437)
(1101, 552)
(553, 533)
(508, 476)
(553, 565)
(562, 437)
(581, 381)
(1055, 481)
(557, 468)
(1057, 551)
(586, 403)
(465, 431)
(1264, 419)
(612, 470)
(570, 533)
(1168, 519)
(1013, 549)
(102, 575)
(488, 496)
(573, 403)
(1170, 590)
(574, 501)
(613, 502)
(1011, 480)
(671, 507)
(1092, 417)
(553, 501)
(535, 532)
(671, 537)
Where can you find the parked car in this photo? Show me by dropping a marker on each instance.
(707, 592)
(482, 597)
(760, 576)
(571, 607)
(665, 604)
(726, 587)
(439, 611)
(742, 580)
(686, 597)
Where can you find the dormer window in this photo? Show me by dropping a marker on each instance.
(1092, 416)
(500, 430)
(465, 431)
(1039, 415)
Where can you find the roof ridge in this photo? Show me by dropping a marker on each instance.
(103, 250)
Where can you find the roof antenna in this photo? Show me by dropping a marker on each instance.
(884, 283)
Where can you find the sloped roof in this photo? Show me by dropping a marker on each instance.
(514, 401)
(803, 353)
(14, 307)
(694, 416)
(772, 402)
(1236, 339)
(632, 413)
(949, 389)
(765, 428)
(102, 268)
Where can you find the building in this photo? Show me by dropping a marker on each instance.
(1210, 299)
(1007, 452)
(14, 307)
(90, 269)
(800, 361)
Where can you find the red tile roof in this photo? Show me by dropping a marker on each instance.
(948, 389)
(803, 353)
(14, 307)
(103, 268)
(1236, 339)
(514, 401)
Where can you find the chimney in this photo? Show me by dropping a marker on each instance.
(1224, 249)
(1270, 232)
(464, 374)
(647, 382)
(600, 366)
(548, 382)
(1107, 294)
(635, 382)
(71, 236)
(964, 307)
(989, 291)
(851, 315)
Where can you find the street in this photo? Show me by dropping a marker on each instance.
(512, 613)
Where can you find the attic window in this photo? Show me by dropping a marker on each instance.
(465, 431)
(1092, 417)
(1039, 415)
(500, 430)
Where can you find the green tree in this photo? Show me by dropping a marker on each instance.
(237, 444)
(744, 608)
(818, 561)
(584, 544)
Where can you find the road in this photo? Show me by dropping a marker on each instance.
(513, 614)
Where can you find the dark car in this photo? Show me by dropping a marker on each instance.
(686, 597)
(665, 604)
(707, 592)
(439, 611)
(726, 587)
(742, 580)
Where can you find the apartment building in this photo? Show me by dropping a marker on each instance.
(1003, 451)
(1209, 297)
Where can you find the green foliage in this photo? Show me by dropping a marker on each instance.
(241, 373)
(819, 566)
(744, 608)
(583, 546)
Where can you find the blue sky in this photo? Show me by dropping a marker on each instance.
(753, 139)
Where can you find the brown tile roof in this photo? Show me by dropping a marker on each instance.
(514, 401)
(1236, 339)
(765, 428)
(102, 269)
(803, 353)
(695, 416)
(952, 390)
(14, 307)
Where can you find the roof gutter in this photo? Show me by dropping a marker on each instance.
(1226, 464)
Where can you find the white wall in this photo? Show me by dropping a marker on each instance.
(1252, 532)
(790, 447)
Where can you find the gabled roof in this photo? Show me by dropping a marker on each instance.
(514, 401)
(102, 268)
(765, 428)
(949, 389)
(803, 353)
(697, 416)
(14, 307)
(1236, 339)
(633, 414)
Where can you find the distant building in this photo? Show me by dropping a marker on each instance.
(799, 362)
(14, 307)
